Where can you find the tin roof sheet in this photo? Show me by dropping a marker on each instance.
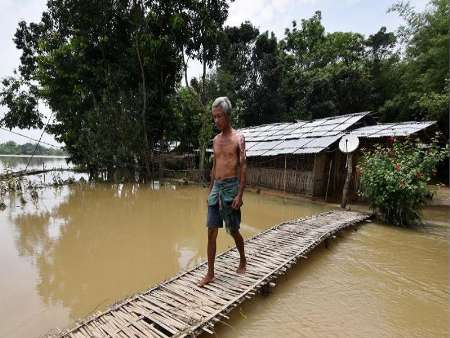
(310, 137)
(392, 129)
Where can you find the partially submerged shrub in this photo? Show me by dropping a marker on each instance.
(3, 191)
(394, 178)
(34, 195)
(57, 179)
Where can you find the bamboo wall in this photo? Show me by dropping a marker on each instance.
(318, 175)
(294, 181)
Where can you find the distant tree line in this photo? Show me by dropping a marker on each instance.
(12, 148)
(114, 74)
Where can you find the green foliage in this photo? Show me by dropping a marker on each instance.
(422, 85)
(235, 67)
(108, 70)
(327, 74)
(308, 74)
(394, 178)
(264, 101)
(189, 112)
(208, 17)
(22, 105)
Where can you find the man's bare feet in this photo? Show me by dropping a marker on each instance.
(205, 280)
(242, 267)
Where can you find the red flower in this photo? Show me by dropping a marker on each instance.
(397, 167)
(391, 139)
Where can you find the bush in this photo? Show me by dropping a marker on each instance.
(394, 178)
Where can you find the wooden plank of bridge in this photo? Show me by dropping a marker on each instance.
(179, 308)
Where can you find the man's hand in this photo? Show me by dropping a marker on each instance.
(237, 202)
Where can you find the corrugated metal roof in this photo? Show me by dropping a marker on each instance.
(249, 145)
(391, 129)
(266, 145)
(323, 142)
(310, 137)
(252, 153)
(316, 128)
(297, 143)
(297, 137)
(275, 152)
(308, 151)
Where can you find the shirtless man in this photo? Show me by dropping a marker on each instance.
(227, 185)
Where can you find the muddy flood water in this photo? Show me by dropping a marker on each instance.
(79, 248)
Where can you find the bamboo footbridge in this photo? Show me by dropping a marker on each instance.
(179, 308)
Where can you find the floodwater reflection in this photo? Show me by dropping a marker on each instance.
(20, 162)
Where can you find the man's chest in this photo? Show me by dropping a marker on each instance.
(225, 148)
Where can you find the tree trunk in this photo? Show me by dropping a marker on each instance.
(185, 70)
(202, 162)
(144, 109)
(201, 165)
(204, 80)
(161, 159)
(93, 173)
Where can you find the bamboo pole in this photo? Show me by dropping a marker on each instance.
(328, 181)
(284, 174)
(347, 180)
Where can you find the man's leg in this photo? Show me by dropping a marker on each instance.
(211, 251)
(240, 246)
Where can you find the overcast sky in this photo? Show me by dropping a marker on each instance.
(362, 16)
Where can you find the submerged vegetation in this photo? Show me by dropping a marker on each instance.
(27, 189)
(395, 178)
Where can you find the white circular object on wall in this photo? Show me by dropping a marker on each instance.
(348, 143)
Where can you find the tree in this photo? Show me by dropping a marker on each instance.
(234, 67)
(300, 57)
(323, 73)
(208, 17)
(382, 63)
(108, 71)
(424, 71)
(189, 111)
(264, 102)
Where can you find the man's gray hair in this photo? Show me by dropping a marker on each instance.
(223, 102)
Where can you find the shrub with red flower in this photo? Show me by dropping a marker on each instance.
(391, 139)
(394, 179)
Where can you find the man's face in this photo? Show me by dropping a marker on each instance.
(220, 118)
